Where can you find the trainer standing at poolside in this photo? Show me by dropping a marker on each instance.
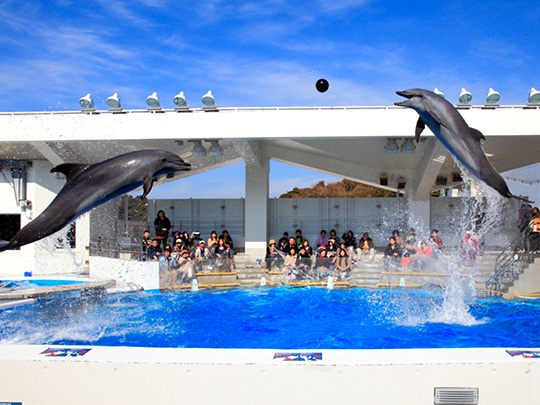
(162, 226)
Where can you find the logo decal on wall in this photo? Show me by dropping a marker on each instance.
(527, 354)
(65, 352)
(298, 356)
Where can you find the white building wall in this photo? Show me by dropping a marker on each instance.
(378, 216)
(42, 257)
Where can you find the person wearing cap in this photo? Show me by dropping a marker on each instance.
(273, 258)
(201, 255)
(177, 248)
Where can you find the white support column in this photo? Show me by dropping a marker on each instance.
(420, 218)
(256, 210)
(420, 192)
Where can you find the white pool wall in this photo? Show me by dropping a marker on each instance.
(128, 375)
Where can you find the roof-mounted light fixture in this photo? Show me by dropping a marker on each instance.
(208, 101)
(87, 103)
(408, 146)
(465, 98)
(215, 149)
(180, 102)
(153, 101)
(198, 149)
(391, 146)
(492, 99)
(534, 97)
(438, 92)
(114, 102)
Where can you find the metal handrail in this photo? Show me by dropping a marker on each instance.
(511, 262)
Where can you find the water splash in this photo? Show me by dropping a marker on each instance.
(480, 215)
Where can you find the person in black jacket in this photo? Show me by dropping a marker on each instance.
(393, 252)
(162, 226)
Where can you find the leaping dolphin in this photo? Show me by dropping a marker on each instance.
(462, 141)
(88, 186)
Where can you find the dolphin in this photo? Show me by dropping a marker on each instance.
(462, 141)
(88, 186)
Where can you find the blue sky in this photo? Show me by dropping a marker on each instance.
(263, 53)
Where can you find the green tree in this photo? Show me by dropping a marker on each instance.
(137, 208)
(344, 188)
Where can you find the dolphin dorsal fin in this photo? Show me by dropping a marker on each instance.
(69, 170)
(477, 134)
(420, 125)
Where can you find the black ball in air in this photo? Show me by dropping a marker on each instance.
(322, 85)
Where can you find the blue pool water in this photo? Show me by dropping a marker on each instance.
(287, 318)
(36, 282)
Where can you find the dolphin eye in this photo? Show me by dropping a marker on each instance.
(163, 160)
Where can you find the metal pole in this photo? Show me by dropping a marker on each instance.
(126, 215)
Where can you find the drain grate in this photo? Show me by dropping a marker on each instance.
(455, 396)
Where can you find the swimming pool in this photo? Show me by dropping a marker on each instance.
(288, 318)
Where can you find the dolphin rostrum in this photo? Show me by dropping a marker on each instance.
(88, 186)
(462, 141)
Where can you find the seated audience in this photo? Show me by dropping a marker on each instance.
(212, 240)
(333, 235)
(222, 258)
(323, 265)
(392, 254)
(349, 239)
(343, 265)
(307, 247)
(273, 258)
(303, 264)
(398, 239)
(146, 242)
(177, 248)
(332, 248)
(423, 255)
(167, 264)
(283, 245)
(410, 248)
(469, 247)
(292, 245)
(154, 251)
(366, 246)
(195, 239)
(290, 265)
(299, 238)
(228, 240)
(322, 240)
(200, 256)
(435, 239)
(284, 238)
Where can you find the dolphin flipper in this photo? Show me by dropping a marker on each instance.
(148, 182)
(477, 134)
(69, 170)
(420, 126)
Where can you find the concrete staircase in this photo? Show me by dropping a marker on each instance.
(370, 274)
